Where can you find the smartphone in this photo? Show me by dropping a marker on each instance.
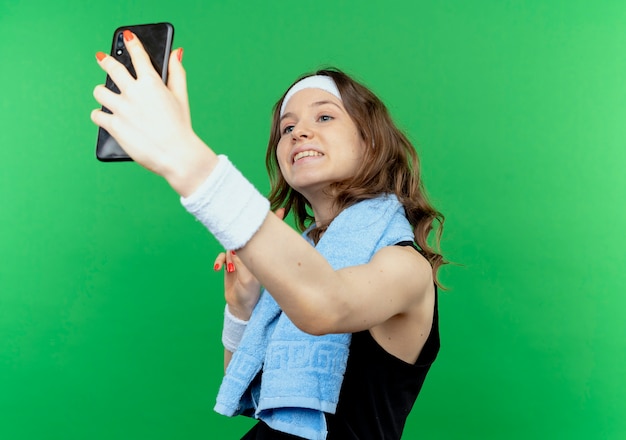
(157, 39)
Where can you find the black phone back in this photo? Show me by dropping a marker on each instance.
(157, 39)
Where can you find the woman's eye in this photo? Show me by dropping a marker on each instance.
(287, 129)
(325, 118)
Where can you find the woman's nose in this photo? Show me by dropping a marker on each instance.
(301, 130)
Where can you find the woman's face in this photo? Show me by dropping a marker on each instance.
(319, 143)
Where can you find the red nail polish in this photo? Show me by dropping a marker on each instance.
(180, 55)
(233, 253)
(230, 267)
(128, 35)
(216, 267)
(100, 56)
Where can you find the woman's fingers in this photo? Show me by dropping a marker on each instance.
(106, 97)
(230, 263)
(138, 55)
(177, 79)
(117, 71)
(220, 260)
(102, 119)
(225, 260)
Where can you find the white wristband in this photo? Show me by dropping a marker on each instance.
(232, 331)
(228, 205)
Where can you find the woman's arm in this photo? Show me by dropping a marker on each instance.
(321, 300)
(151, 121)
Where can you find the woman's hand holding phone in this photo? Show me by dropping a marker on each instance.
(151, 120)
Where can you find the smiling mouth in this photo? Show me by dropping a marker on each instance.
(303, 154)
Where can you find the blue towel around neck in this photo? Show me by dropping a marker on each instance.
(301, 374)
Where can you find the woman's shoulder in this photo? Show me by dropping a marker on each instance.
(406, 257)
(404, 334)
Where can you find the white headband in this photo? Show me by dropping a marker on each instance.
(323, 82)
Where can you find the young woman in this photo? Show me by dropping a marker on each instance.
(341, 346)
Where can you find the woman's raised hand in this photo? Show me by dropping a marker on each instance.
(151, 120)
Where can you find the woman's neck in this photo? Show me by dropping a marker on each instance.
(323, 211)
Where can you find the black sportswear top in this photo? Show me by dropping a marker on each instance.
(377, 393)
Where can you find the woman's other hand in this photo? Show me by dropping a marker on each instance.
(151, 120)
(241, 288)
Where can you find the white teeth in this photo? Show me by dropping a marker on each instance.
(306, 154)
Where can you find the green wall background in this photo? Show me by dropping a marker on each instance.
(110, 313)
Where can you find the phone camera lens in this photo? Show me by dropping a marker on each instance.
(120, 41)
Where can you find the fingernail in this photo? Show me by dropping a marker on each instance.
(233, 253)
(180, 55)
(100, 56)
(128, 35)
(230, 267)
(216, 267)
